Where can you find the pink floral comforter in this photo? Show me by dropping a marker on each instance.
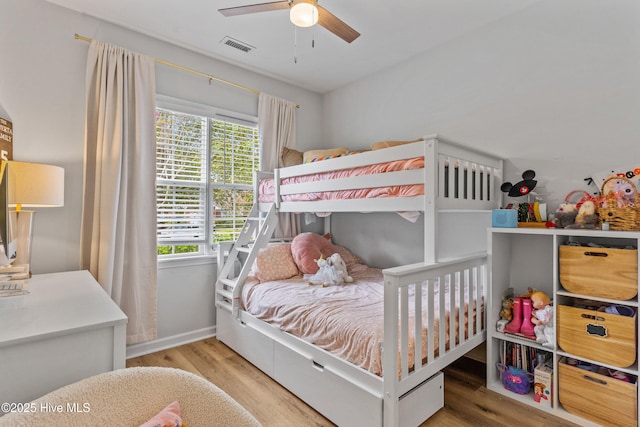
(345, 320)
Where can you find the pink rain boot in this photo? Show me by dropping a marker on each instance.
(527, 327)
(514, 326)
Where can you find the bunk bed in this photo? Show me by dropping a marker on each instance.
(444, 179)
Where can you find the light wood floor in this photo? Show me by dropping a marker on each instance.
(467, 401)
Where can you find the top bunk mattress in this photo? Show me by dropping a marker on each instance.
(267, 188)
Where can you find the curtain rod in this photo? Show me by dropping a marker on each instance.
(180, 67)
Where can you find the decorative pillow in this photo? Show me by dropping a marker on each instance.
(274, 263)
(387, 144)
(168, 417)
(333, 156)
(291, 157)
(347, 256)
(312, 154)
(307, 247)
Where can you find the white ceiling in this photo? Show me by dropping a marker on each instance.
(391, 31)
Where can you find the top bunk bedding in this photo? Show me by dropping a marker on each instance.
(410, 177)
(267, 192)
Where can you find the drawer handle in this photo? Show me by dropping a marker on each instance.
(603, 254)
(592, 317)
(317, 365)
(595, 380)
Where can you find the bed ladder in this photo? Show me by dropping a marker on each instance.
(254, 235)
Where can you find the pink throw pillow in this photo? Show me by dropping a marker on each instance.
(168, 417)
(307, 247)
(348, 257)
(274, 263)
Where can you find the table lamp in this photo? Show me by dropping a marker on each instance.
(30, 185)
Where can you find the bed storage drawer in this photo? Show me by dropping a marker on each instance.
(599, 272)
(423, 401)
(246, 341)
(335, 397)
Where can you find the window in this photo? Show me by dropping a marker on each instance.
(204, 177)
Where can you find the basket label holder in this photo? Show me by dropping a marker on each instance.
(595, 329)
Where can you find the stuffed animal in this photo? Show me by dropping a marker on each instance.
(337, 261)
(566, 215)
(623, 191)
(507, 309)
(586, 217)
(328, 274)
(542, 318)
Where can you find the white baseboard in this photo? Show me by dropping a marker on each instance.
(135, 350)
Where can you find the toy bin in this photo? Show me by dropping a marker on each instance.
(504, 218)
(597, 397)
(597, 335)
(599, 272)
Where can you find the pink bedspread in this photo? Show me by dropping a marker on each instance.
(345, 320)
(267, 186)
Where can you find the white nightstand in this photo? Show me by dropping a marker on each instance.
(66, 329)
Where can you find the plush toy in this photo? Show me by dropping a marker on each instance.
(566, 215)
(337, 261)
(586, 217)
(623, 191)
(328, 273)
(507, 309)
(542, 318)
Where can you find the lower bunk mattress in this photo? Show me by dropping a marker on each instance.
(348, 320)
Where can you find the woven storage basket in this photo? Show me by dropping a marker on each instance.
(625, 218)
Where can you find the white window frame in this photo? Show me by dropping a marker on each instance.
(207, 249)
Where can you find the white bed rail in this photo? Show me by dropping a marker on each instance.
(405, 289)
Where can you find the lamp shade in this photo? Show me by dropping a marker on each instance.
(34, 185)
(303, 14)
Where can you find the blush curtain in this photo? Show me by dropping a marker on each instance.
(118, 235)
(277, 129)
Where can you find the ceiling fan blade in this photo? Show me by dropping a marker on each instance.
(336, 26)
(254, 8)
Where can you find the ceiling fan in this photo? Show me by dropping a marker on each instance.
(303, 13)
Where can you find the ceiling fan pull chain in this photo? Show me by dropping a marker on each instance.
(295, 44)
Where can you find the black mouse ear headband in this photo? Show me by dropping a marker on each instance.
(521, 188)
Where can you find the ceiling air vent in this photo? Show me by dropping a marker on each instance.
(237, 44)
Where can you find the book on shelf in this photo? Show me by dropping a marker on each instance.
(522, 356)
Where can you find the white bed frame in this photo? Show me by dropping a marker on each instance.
(342, 392)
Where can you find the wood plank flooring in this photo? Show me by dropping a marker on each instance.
(467, 401)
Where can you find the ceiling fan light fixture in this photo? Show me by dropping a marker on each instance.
(304, 14)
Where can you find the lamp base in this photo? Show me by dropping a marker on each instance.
(21, 231)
